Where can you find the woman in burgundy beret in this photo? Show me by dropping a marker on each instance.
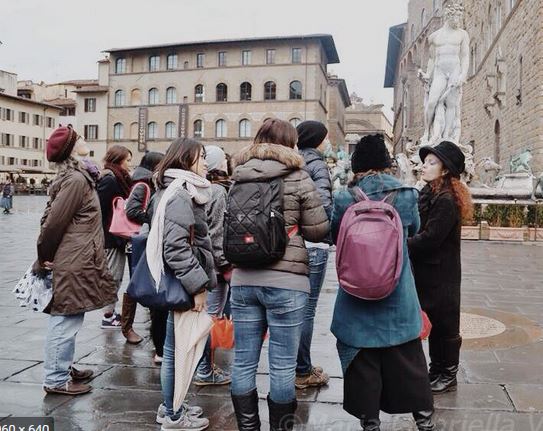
(71, 244)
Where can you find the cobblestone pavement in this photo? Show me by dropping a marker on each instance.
(501, 379)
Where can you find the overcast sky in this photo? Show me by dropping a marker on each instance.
(58, 40)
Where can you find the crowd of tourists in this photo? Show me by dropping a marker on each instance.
(249, 237)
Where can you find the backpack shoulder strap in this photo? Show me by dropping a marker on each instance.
(357, 194)
(391, 197)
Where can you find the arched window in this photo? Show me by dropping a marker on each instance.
(222, 92)
(199, 93)
(244, 128)
(171, 95)
(118, 131)
(498, 17)
(152, 130)
(269, 90)
(119, 98)
(153, 96)
(120, 65)
(423, 19)
(171, 130)
(135, 97)
(295, 92)
(412, 35)
(220, 129)
(198, 129)
(245, 90)
(295, 121)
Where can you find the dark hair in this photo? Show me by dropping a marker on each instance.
(116, 155)
(151, 159)
(229, 165)
(275, 131)
(181, 154)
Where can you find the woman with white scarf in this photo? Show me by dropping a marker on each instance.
(179, 238)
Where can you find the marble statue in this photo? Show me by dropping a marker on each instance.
(487, 171)
(446, 72)
(341, 175)
(405, 169)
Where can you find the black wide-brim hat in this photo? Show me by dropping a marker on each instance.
(450, 155)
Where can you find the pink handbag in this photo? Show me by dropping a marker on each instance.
(120, 224)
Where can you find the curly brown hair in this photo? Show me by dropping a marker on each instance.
(460, 192)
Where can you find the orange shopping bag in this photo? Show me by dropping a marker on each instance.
(426, 326)
(222, 334)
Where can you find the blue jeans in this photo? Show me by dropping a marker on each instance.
(167, 369)
(216, 300)
(318, 259)
(60, 348)
(254, 310)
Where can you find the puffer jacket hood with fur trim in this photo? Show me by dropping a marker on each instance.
(302, 205)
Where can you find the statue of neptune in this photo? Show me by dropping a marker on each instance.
(447, 70)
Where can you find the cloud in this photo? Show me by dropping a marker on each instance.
(57, 40)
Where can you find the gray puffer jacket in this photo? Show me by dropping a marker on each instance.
(215, 211)
(302, 204)
(191, 259)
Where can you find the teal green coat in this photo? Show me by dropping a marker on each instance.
(396, 319)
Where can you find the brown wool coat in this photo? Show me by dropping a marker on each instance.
(302, 204)
(71, 237)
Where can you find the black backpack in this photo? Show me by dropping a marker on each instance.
(254, 225)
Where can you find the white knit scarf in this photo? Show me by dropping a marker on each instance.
(198, 188)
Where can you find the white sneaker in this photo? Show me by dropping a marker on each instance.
(185, 423)
(194, 411)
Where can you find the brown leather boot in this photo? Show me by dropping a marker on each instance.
(128, 314)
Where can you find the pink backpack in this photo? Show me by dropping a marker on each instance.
(369, 253)
(120, 224)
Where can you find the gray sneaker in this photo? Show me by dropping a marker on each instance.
(185, 423)
(194, 411)
(216, 377)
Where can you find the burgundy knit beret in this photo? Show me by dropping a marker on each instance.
(60, 144)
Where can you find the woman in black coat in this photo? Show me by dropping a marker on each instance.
(435, 253)
(114, 182)
(136, 211)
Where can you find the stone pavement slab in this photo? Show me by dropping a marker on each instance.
(501, 383)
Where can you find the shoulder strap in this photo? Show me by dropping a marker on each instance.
(357, 194)
(147, 196)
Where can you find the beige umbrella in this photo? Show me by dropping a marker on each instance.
(191, 329)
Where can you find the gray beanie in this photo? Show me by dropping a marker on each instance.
(214, 157)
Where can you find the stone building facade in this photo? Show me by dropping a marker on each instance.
(502, 105)
(25, 125)
(219, 91)
(362, 120)
(337, 100)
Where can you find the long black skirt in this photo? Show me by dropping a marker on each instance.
(392, 379)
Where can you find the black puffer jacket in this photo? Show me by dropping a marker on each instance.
(134, 208)
(317, 169)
